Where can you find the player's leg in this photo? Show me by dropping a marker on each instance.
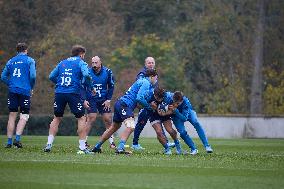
(123, 113)
(106, 135)
(129, 128)
(184, 135)
(200, 131)
(107, 119)
(58, 107)
(143, 117)
(156, 124)
(24, 116)
(13, 104)
(91, 117)
(169, 128)
(11, 128)
(113, 128)
(76, 106)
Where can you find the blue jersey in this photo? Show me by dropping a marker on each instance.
(183, 110)
(103, 82)
(137, 93)
(141, 73)
(19, 74)
(69, 74)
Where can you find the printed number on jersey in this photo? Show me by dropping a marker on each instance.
(66, 81)
(17, 72)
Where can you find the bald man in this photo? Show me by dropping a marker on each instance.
(103, 82)
(144, 114)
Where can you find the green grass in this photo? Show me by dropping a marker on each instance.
(242, 163)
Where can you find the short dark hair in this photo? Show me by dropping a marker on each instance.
(178, 96)
(159, 92)
(151, 72)
(21, 47)
(77, 50)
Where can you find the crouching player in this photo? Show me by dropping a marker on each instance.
(68, 76)
(181, 111)
(124, 110)
(156, 121)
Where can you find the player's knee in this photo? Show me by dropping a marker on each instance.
(92, 118)
(172, 132)
(129, 123)
(159, 133)
(24, 116)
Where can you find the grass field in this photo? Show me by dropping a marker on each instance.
(242, 163)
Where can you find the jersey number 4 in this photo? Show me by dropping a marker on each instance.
(17, 72)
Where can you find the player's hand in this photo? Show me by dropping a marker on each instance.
(106, 105)
(154, 105)
(94, 91)
(86, 104)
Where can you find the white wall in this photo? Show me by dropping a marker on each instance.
(232, 127)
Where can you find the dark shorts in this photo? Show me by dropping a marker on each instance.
(155, 117)
(74, 101)
(18, 100)
(96, 106)
(143, 116)
(121, 112)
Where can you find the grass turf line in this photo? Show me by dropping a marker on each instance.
(238, 163)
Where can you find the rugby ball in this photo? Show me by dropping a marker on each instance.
(163, 107)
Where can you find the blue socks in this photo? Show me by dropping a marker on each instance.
(99, 144)
(121, 145)
(18, 138)
(9, 141)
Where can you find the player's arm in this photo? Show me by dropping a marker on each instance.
(110, 85)
(183, 115)
(54, 74)
(87, 79)
(5, 74)
(32, 73)
(141, 95)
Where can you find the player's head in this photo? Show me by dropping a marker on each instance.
(22, 47)
(96, 63)
(152, 74)
(78, 50)
(177, 98)
(159, 93)
(150, 63)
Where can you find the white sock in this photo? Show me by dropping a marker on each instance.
(111, 139)
(82, 144)
(86, 138)
(50, 139)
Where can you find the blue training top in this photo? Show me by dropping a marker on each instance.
(69, 74)
(183, 110)
(19, 74)
(137, 93)
(103, 82)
